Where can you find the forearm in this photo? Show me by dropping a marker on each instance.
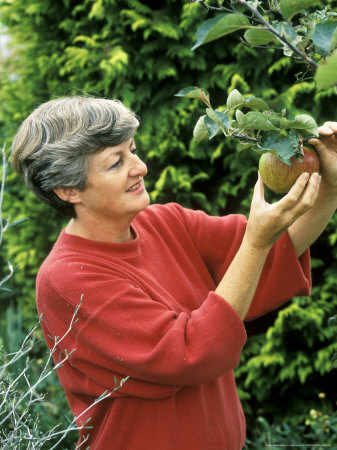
(240, 281)
(266, 224)
(308, 227)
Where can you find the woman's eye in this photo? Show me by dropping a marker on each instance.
(116, 165)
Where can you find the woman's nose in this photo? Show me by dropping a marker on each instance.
(138, 168)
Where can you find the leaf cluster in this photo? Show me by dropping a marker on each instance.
(304, 35)
(260, 129)
(301, 29)
(318, 429)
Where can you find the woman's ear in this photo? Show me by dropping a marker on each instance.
(68, 194)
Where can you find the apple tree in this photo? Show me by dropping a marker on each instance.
(304, 31)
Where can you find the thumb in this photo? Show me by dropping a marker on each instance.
(318, 144)
(259, 190)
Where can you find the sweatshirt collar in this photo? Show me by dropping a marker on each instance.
(84, 245)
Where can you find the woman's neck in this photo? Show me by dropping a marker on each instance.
(100, 232)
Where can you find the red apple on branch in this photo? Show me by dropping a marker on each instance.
(280, 177)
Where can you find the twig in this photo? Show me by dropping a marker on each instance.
(278, 35)
(2, 190)
(269, 27)
(243, 137)
(101, 398)
(22, 427)
(213, 8)
(304, 140)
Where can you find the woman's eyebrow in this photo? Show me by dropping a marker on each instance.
(118, 152)
(112, 153)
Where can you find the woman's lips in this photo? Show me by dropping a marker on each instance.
(136, 188)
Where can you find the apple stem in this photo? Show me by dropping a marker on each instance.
(304, 140)
(243, 137)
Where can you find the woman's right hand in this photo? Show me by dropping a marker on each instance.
(267, 222)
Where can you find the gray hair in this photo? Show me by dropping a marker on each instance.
(54, 145)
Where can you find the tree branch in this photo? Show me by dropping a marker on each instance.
(214, 8)
(243, 137)
(296, 50)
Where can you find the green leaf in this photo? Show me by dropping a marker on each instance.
(200, 131)
(326, 74)
(255, 120)
(238, 115)
(89, 41)
(17, 222)
(166, 29)
(220, 118)
(324, 37)
(256, 103)
(2, 289)
(220, 26)
(332, 321)
(235, 99)
(241, 146)
(284, 146)
(212, 115)
(224, 118)
(286, 30)
(275, 119)
(104, 393)
(290, 8)
(256, 36)
(302, 122)
(212, 127)
(194, 92)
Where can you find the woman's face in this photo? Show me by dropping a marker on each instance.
(115, 186)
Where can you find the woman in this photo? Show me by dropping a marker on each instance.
(164, 289)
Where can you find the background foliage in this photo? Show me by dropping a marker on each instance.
(139, 52)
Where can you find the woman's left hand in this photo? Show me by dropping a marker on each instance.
(326, 148)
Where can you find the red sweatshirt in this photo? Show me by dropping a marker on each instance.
(149, 312)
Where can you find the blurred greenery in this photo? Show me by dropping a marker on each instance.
(139, 52)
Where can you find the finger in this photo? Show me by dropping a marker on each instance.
(290, 199)
(258, 193)
(292, 209)
(328, 128)
(306, 201)
(319, 145)
(309, 195)
(324, 145)
(259, 187)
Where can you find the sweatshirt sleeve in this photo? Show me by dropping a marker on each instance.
(284, 276)
(218, 239)
(132, 335)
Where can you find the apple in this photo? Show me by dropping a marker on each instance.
(280, 177)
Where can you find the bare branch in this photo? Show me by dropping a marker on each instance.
(16, 407)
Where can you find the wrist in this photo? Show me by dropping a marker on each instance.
(255, 246)
(327, 191)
